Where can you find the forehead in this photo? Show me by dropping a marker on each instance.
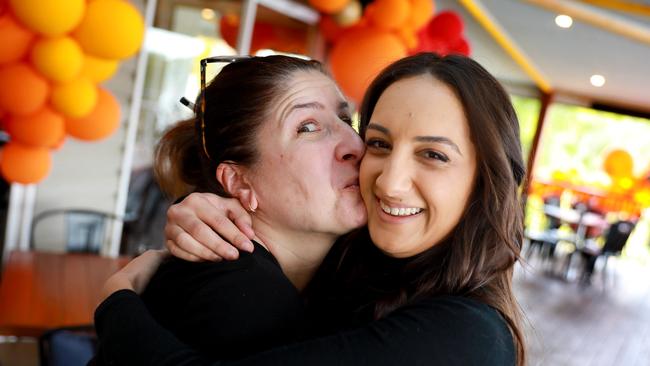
(421, 104)
(304, 86)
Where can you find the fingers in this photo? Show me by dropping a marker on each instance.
(186, 246)
(205, 226)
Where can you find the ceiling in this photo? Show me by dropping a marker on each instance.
(566, 57)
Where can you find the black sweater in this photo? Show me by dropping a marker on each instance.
(435, 331)
(224, 310)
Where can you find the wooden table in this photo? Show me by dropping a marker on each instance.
(40, 291)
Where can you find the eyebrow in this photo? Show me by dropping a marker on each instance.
(342, 106)
(434, 139)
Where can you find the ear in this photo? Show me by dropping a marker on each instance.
(233, 180)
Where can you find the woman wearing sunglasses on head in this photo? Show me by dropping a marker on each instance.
(428, 280)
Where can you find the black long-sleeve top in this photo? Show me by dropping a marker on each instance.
(445, 330)
(434, 330)
(226, 309)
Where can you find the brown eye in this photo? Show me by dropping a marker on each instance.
(430, 154)
(377, 144)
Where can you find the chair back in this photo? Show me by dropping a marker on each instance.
(84, 229)
(617, 236)
(68, 346)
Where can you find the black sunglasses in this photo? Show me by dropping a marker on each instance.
(201, 111)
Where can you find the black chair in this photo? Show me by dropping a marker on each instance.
(84, 229)
(69, 346)
(617, 236)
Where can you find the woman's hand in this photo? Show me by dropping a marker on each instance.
(136, 274)
(205, 226)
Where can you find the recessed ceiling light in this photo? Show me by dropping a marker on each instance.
(597, 80)
(563, 21)
(207, 14)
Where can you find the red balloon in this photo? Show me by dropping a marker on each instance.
(427, 43)
(329, 29)
(447, 25)
(461, 46)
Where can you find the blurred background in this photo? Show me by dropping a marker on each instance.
(87, 91)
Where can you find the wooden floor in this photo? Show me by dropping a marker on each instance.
(572, 325)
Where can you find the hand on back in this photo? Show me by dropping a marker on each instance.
(205, 226)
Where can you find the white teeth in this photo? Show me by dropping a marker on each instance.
(402, 211)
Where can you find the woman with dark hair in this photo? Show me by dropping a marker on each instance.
(254, 139)
(428, 281)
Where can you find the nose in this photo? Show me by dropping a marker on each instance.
(394, 179)
(349, 146)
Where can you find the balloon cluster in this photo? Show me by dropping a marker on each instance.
(265, 35)
(53, 55)
(364, 41)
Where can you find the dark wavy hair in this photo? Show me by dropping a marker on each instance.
(477, 258)
(238, 100)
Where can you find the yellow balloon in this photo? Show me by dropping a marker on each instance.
(58, 59)
(110, 29)
(75, 99)
(98, 69)
(52, 17)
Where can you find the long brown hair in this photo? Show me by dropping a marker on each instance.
(477, 258)
(238, 100)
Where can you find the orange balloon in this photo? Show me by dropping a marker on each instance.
(408, 36)
(421, 13)
(14, 39)
(390, 14)
(112, 29)
(22, 90)
(58, 59)
(101, 122)
(360, 54)
(44, 128)
(24, 164)
(618, 163)
(75, 99)
(329, 6)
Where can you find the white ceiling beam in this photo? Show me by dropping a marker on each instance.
(599, 19)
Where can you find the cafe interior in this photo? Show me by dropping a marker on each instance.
(83, 104)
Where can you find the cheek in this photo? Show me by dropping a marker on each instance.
(368, 171)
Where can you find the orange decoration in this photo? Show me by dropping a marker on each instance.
(329, 6)
(24, 164)
(22, 90)
(421, 13)
(360, 54)
(14, 39)
(408, 36)
(619, 164)
(330, 30)
(101, 122)
(265, 35)
(390, 14)
(44, 128)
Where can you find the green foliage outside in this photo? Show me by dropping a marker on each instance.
(575, 142)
